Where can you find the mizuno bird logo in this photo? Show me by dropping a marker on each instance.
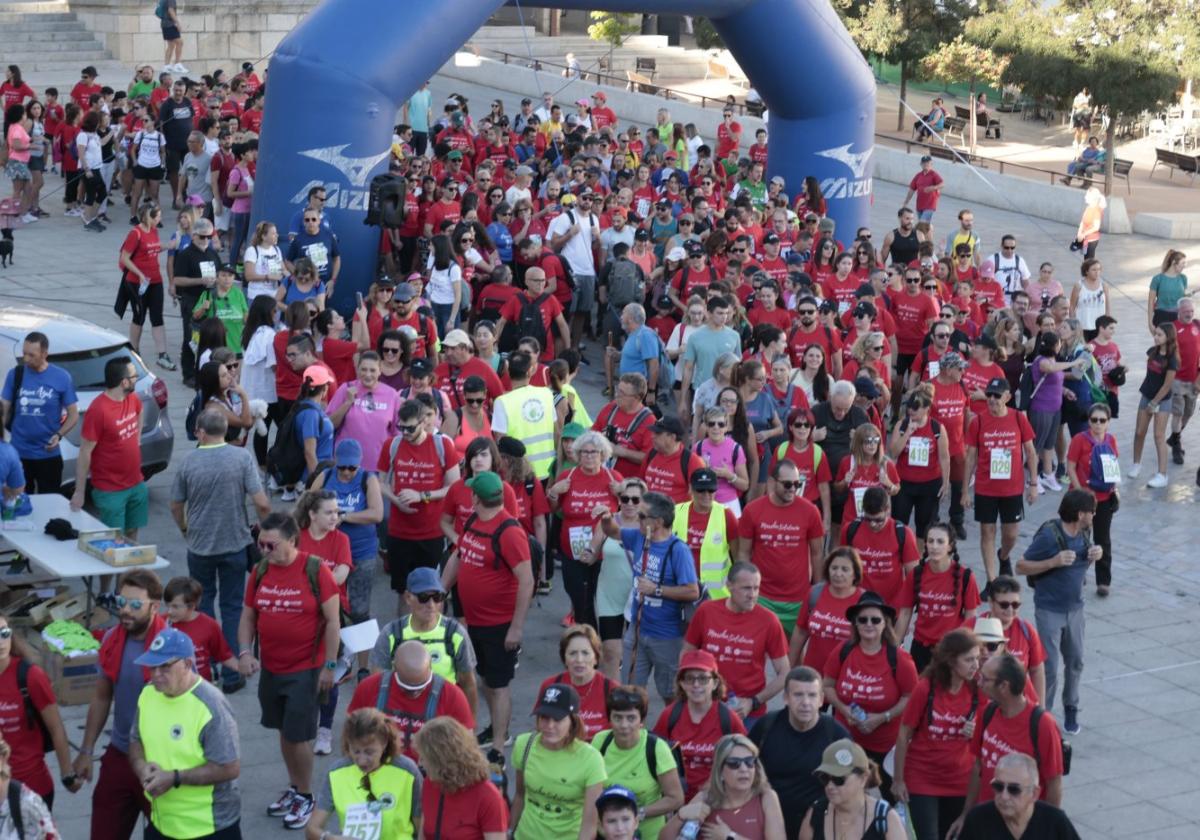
(857, 163)
(355, 169)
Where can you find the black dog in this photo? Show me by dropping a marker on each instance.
(6, 248)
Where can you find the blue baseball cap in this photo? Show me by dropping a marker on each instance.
(423, 579)
(348, 453)
(167, 646)
(616, 793)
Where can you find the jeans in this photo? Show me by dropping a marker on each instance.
(441, 316)
(658, 655)
(226, 574)
(239, 232)
(1062, 636)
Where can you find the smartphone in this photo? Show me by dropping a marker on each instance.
(359, 297)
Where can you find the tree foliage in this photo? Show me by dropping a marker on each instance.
(613, 27)
(960, 61)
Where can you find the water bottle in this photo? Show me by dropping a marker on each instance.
(731, 701)
(690, 830)
(902, 812)
(9, 511)
(858, 712)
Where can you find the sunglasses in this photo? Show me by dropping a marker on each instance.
(436, 597)
(747, 761)
(930, 288)
(475, 400)
(941, 334)
(390, 351)
(696, 679)
(790, 485)
(347, 469)
(871, 440)
(869, 619)
(838, 781)
(802, 424)
(1011, 788)
(993, 396)
(199, 236)
(877, 349)
(912, 279)
(133, 603)
(409, 429)
(1007, 605)
(716, 424)
(1097, 419)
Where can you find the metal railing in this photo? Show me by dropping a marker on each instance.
(981, 161)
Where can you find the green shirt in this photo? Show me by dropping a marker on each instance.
(231, 309)
(629, 768)
(555, 783)
(141, 89)
(1170, 290)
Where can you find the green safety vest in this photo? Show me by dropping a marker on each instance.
(169, 729)
(389, 817)
(531, 420)
(442, 642)
(714, 551)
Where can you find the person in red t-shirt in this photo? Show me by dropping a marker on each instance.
(927, 186)
(414, 695)
(729, 136)
(822, 625)
(579, 650)
(919, 445)
(1084, 476)
(669, 465)
(933, 749)
(495, 589)
(551, 308)
(941, 590)
(951, 409)
(875, 537)
(999, 451)
(110, 452)
(808, 332)
(742, 635)
(1018, 636)
(139, 264)
(627, 424)
(297, 633)
(457, 784)
(458, 364)
(181, 597)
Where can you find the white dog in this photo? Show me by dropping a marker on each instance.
(258, 410)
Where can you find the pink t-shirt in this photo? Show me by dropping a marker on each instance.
(18, 136)
(242, 203)
(726, 454)
(371, 420)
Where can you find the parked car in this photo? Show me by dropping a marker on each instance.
(82, 349)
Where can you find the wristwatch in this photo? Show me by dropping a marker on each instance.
(426, 497)
(331, 665)
(658, 591)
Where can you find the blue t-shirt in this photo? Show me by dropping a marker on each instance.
(1060, 590)
(38, 409)
(130, 683)
(501, 237)
(760, 411)
(640, 347)
(315, 424)
(661, 618)
(418, 110)
(11, 472)
(293, 293)
(352, 498)
(321, 249)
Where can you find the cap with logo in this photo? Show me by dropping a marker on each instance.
(841, 758)
(557, 701)
(704, 480)
(997, 386)
(170, 644)
(348, 453)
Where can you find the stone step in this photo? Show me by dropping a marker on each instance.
(34, 6)
(52, 49)
(15, 32)
(40, 37)
(9, 18)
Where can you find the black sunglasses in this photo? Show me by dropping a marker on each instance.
(789, 485)
(869, 619)
(475, 400)
(630, 500)
(1012, 788)
(436, 597)
(838, 781)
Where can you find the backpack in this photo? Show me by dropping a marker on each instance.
(641, 417)
(1060, 538)
(724, 720)
(285, 458)
(435, 692)
(193, 413)
(18, 378)
(504, 525)
(892, 655)
(31, 713)
(312, 571)
(1026, 387)
(1034, 719)
(965, 574)
(651, 749)
(530, 323)
(854, 525)
(1096, 467)
(160, 10)
(439, 446)
(624, 284)
(685, 456)
(14, 807)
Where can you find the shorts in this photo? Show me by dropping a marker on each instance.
(1164, 407)
(404, 555)
(37, 163)
(583, 300)
(148, 173)
(152, 305)
(174, 159)
(1081, 120)
(17, 170)
(94, 190)
(1183, 399)
(221, 220)
(127, 509)
(611, 627)
(494, 663)
(786, 611)
(925, 215)
(1010, 509)
(289, 703)
(170, 32)
(1045, 428)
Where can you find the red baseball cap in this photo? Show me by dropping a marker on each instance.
(697, 660)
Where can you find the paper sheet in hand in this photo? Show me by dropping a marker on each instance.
(359, 637)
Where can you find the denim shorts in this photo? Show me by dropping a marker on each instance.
(1164, 407)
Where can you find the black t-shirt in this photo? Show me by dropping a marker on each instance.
(837, 432)
(175, 120)
(188, 263)
(1157, 365)
(790, 757)
(1047, 823)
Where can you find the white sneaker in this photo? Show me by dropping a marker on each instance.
(179, 68)
(1133, 471)
(74, 211)
(272, 484)
(1049, 482)
(1157, 480)
(29, 218)
(324, 744)
(289, 494)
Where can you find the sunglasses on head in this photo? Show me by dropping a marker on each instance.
(747, 761)
(869, 619)
(426, 597)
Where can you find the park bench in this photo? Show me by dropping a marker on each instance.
(953, 126)
(1176, 160)
(983, 121)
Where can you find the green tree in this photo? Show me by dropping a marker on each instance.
(613, 28)
(959, 61)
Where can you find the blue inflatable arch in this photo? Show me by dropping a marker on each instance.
(338, 79)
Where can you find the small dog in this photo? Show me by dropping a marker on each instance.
(258, 410)
(6, 248)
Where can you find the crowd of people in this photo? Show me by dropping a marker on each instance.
(765, 516)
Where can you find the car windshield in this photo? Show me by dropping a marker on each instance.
(86, 367)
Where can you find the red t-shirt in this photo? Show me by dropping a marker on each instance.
(742, 643)
(825, 337)
(867, 680)
(530, 503)
(592, 700)
(989, 434)
(209, 641)
(641, 440)
(334, 551)
(883, 561)
(417, 467)
(1108, 356)
(864, 478)
(289, 617)
(697, 527)
(813, 475)
(1188, 336)
(779, 539)
(1080, 454)
(467, 814)
(1028, 650)
(407, 713)
(942, 606)
(697, 741)
(551, 307)
(1009, 735)
(841, 292)
(577, 504)
(11, 94)
(950, 403)
(925, 365)
(450, 381)
(487, 586)
(919, 460)
(826, 625)
(441, 211)
(81, 93)
(729, 137)
(939, 756)
(287, 381)
(143, 249)
(662, 473)
(912, 314)
(976, 377)
(459, 502)
(25, 739)
(116, 428)
(66, 139)
(426, 331)
(775, 317)
(338, 355)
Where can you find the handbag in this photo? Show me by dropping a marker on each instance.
(1076, 245)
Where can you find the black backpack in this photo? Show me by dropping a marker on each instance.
(285, 458)
(965, 576)
(892, 655)
(685, 457)
(724, 720)
(193, 413)
(853, 527)
(504, 525)
(651, 750)
(530, 323)
(14, 802)
(1035, 719)
(624, 280)
(929, 703)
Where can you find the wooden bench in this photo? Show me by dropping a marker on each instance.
(646, 66)
(637, 83)
(988, 125)
(953, 126)
(1121, 168)
(717, 70)
(1176, 160)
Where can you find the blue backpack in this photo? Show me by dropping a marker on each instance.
(160, 10)
(1096, 467)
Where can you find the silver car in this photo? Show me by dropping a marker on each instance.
(82, 348)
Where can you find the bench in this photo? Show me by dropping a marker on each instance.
(987, 124)
(717, 70)
(1121, 168)
(637, 83)
(646, 66)
(953, 126)
(1176, 160)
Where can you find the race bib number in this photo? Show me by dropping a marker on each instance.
(842, 307)
(208, 270)
(580, 538)
(918, 451)
(1110, 468)
(934, 367)
(319, 254)
(1001, 466)
(364, 821)
(274, 265)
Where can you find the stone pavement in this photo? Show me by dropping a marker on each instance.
(1133, 774)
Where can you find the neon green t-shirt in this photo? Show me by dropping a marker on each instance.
(629, 768)
(555, 782)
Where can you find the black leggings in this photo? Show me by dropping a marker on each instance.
(43, 475)
(276, 411)
(922, 655)
(581, 580)
(1102, 536)
(932, 815)
(920, 499)
(152, 305)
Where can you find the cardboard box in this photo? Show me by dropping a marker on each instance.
(73, 679)
(42, 613)
(111, 546)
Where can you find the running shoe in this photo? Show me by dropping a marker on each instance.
(301, 812)
(165, 362)
(1157, 480)
(1071, 720)
(324, 743)
(283, 804)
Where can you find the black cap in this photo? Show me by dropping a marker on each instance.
(671, 425)
(827, 306)
(663, 202)
(511, 446)
(999, 385)
(704, 479)
(864, 290)
(771, 239)
(865, 307)
(694, 248)
(987, 341)
(642, 235)
(866, 388)
(664, 302)
(557, 701)
(420, 367)
(870, 599)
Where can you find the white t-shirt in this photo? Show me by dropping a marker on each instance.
(442, 283)
(150, 151)
(258, 365)
(514, 194)
(90, 152)
(577, 250)
(266, 259)
(1011, 273)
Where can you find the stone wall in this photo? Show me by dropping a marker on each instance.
(216, 33)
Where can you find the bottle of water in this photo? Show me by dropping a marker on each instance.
(858, 712)
(690, 830)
